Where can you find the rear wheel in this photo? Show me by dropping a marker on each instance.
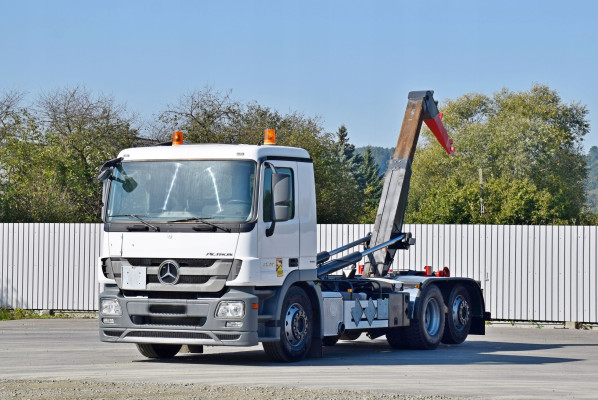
(151, 350)
(458, 318)
(427, 329)
(296, 328)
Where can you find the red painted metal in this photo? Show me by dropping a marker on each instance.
(439, 131)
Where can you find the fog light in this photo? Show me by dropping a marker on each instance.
(234, 324)
(230, 309)
(108, 320)
(110, 307)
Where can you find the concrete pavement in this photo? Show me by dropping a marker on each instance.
(508, 362)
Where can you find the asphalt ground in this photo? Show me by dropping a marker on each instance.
(509, 362)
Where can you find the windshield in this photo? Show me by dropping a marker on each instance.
(164, 191)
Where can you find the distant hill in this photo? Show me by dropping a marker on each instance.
(381, 155)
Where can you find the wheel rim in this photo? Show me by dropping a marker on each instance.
(296, 325)
(432, 317)
(460, 313)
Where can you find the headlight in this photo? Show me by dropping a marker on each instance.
(230, 309)
(110, 307)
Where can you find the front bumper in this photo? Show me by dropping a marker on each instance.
(178, 321)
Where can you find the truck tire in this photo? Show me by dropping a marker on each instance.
(458, 318)
(151, 350)
(426, 330)
(296, 328)
(397, 338)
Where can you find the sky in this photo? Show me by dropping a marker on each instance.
(347, 62)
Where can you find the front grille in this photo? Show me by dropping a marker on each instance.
(167, 309)
(168, 335)
(168, 320)
(177, 321)
(228, 337)
(184, 279)
(161, 295)
(183, 262)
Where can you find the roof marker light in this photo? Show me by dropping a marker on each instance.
(269, 136)
(177, 138)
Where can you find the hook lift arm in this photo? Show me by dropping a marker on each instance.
(387, 235)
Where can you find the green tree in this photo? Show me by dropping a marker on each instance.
(373, 187)
(528, 145)
(208, 116)
(380, 154)
(346, 151)
(52, 152)
(592, 180)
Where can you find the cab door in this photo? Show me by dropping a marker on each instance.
(278, 253)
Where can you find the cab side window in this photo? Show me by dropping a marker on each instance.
(268, 192)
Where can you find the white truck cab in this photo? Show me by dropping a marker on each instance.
(190, 227)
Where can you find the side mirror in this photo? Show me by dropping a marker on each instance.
(281, 197)
(129, 184)
(107, 169)
(105, 174)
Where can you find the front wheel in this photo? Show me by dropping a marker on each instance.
(296, 328)
(151, 350)
(427, 329)
(458, 318)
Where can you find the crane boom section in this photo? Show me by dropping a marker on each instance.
(421, 107)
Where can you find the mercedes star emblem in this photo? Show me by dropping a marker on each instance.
(168, 272)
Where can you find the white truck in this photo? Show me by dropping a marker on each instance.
(213, 244)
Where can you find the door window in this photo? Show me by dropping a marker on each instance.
(267, 217)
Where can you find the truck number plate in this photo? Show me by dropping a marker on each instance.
(133, 277)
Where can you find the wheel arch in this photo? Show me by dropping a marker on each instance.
(313, 292)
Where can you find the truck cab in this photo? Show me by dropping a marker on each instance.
(194, 251)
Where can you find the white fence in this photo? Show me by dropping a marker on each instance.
(49, 266)
(539, 273)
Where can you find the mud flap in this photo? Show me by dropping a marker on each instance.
(315, 350)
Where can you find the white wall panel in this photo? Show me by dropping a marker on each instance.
(49, 266)
(540, 273)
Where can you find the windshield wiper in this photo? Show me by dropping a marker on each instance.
(152, 227)
(203, 221)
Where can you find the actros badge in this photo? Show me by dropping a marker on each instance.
(168, 272)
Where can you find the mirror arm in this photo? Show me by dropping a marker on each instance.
(110, 164)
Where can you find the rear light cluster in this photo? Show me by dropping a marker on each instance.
(445, 272)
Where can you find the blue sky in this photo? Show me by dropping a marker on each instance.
(349, 62)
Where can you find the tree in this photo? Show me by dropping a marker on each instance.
(52, 154)
(592, 181)
(380, 154)
(347, 155)
(9, 113)
(208, 116)
(528, 145)
(373, 187)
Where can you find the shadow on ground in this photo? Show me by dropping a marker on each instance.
(362, 353)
